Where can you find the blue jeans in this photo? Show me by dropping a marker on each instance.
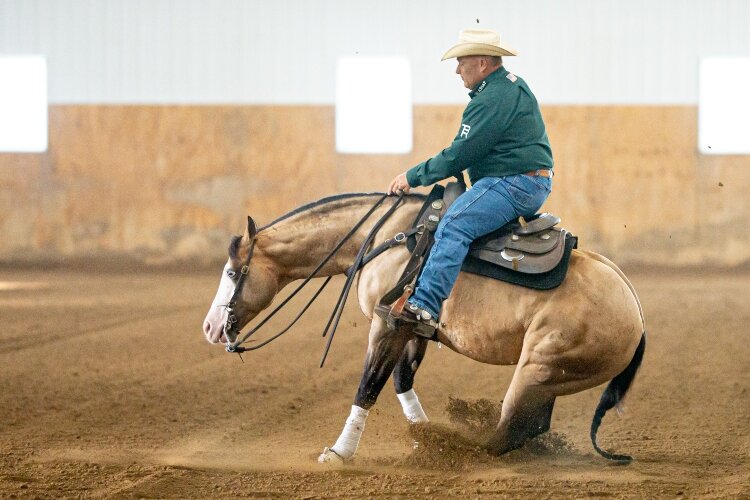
(491, 203)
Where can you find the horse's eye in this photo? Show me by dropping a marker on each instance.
(231, 273)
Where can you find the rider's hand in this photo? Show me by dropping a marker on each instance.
(399, 183)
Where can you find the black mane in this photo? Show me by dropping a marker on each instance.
(234, 244)
(328, 199)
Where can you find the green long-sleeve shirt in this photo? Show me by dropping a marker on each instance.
(502, 133)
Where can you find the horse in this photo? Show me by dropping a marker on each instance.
(587, 331)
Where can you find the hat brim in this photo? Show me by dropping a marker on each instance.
(478, 49)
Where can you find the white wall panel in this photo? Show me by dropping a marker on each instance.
(285, 51)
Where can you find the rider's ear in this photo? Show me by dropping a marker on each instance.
(250, 231)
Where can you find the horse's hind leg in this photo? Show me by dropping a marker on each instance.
(403, 379)
(543, 419)
(383, 352)
(527, 412)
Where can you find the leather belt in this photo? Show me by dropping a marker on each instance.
(542, 172)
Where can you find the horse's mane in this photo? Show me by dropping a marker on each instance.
(234, 244)
(329, 199)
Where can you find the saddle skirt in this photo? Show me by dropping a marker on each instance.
(535, 246)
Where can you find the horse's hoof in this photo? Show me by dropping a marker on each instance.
(495, 448)
(330, 457)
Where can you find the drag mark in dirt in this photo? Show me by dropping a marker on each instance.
(438, 446)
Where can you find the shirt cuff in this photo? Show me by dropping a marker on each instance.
(412, 177)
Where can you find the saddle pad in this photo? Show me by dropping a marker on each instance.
(542, 281)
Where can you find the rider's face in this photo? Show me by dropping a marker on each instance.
(471, 70)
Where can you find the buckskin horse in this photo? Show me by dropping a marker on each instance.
(586, 331)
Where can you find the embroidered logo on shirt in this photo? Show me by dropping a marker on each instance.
(481, 87)
(465, 130)
(511, 77)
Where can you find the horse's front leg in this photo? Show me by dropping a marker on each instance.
(383, 352)
(403, 379)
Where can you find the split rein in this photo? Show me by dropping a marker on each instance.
(234, 345)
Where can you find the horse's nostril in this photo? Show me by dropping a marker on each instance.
(206, 327)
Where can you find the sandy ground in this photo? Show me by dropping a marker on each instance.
(108, 389)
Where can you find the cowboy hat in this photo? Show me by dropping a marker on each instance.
(479, 42)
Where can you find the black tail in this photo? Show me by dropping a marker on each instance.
(613, 394)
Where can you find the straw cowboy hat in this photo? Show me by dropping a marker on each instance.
(479, 42)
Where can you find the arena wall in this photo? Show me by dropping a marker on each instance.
(166, 183)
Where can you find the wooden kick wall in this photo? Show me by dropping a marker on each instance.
(160, 183)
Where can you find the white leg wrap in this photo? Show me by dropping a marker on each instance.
(412, 408)
(346, 444)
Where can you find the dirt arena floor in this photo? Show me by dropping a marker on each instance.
(108, 389)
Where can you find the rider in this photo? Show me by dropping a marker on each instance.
(503, 144)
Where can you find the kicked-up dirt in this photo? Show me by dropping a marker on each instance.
(108, 389)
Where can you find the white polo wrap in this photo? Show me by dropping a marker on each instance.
(346, 444)
(412, 408)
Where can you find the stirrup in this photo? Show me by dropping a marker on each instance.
(386, 312)
(424, 324)
(382, 310)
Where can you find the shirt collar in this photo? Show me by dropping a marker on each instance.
(495, 75)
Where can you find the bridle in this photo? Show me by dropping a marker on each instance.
(230, 325)
(231, 332)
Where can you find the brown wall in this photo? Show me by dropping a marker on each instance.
(160, 182)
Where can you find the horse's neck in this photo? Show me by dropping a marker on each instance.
(296, 245)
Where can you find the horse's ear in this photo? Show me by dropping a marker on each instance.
(250, 231)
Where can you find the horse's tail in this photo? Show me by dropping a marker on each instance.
(613, 395)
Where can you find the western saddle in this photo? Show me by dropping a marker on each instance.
(531, 252)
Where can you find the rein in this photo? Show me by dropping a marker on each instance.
(235, 346)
